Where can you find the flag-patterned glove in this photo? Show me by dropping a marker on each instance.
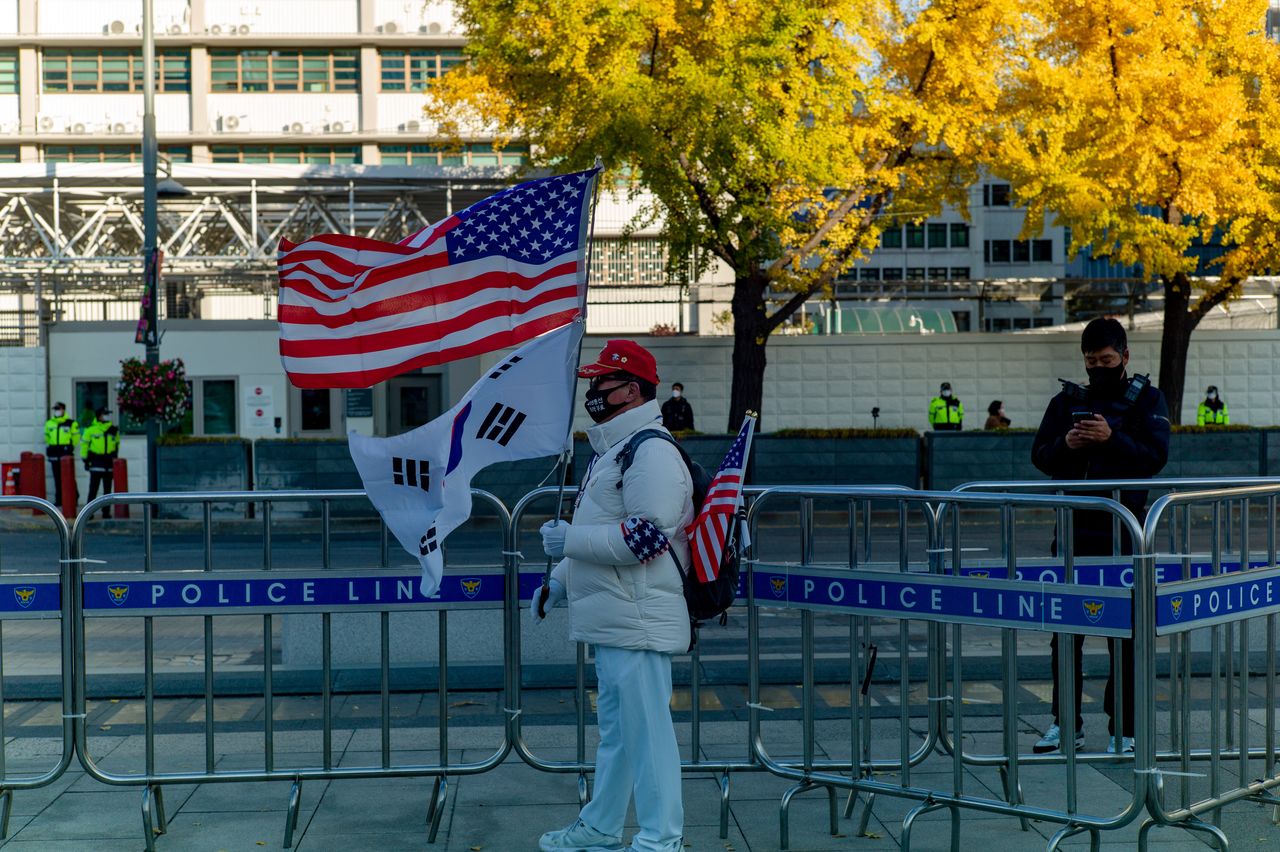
(644, 539)
(553, 535)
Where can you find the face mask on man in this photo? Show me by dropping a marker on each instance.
(58, 412)
(104, 419)
(1105, 378)
(1213, 395)
(597, 404)
(675, 393)
(946, 393)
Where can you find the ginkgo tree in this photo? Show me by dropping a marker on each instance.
(775, 136)
(1148, 128)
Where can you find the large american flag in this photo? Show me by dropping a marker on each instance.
(355, 311)
(710, 530)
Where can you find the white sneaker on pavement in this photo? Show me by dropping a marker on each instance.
(1126, 745)
(1052, 740)
(579, 837)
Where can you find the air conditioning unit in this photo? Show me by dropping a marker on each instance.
(47, 123)
(295, 127)
(121, 127)
(233, 124)
(78, 127)
(429, 29)
(215, 29)
(390, 28)
(411, 126)
(242, 29)
(339, 127)
(114, 28)
(174, 29)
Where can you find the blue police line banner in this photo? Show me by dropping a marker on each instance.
(1116, 573)
(262, 592)
(1055, 608)
(33, 596)
(1192, 604)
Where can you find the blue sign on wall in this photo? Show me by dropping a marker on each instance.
(933, 597)
(1202, 603)
(36, 596)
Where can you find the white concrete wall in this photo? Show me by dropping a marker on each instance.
(285, 16)
(432, 17)
(267, 112)
(9, 17)
(98, 111)
(9, 112)
(24, 410)
(93, 16)
(395, 109)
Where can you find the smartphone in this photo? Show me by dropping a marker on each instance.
(1077, 416)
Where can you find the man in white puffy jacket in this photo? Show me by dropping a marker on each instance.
(626, 599)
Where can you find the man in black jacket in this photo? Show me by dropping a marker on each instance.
(677, 413)
(1116, 428)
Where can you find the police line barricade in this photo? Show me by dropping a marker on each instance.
(539, 505)
(37, 596)
(149, 593)
(935, 591)
(1230, 609)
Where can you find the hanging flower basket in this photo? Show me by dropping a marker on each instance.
(161, 391)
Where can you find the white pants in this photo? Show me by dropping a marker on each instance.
(638, 752)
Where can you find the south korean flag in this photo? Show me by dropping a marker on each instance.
(420, 482)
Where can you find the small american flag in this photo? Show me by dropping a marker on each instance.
(355, 311)
(710, 530)
(643, 538)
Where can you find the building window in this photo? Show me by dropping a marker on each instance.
(915, 236)
(1021, 251)
(995, 195)
(996, 251)
(891, 237)
(937, 235)
(938, 273)
(915, 273)
(474, 154)
(1042, 251)
(8, 72)
(284, 70)
(628, 262)
(10, 154)
(959, 235)
(892, 273)
(869, 273)
(213, 408)
(413, 70)
(112, 70)
(311, 154)
(959, 273)
(109, 153)
(317, 410)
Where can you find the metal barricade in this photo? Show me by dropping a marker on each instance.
(941, 593)
(696, 763)
(1228, 607)
(208, 592)
(30, 599)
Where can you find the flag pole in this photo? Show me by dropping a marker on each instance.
(582, 318)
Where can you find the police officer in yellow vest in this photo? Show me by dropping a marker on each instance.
(1213, 411)
(946, 412)
(100, 444)
(61, 435)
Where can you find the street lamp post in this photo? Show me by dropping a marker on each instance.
(150, 227)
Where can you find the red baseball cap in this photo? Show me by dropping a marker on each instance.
(622, 356)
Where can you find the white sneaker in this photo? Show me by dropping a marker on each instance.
(579, 837)
(1126, 745)
(1052, 740)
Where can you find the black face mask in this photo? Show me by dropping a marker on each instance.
(1106, 379)
(599, 409)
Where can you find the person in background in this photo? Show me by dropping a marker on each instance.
(100, 444)
(995, 416)
(1213, 411)
(61, 435)
(946, 412)
(677, 413)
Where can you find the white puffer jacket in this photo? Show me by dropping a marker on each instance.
(614, 598)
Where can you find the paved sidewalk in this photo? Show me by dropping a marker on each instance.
(507, 808)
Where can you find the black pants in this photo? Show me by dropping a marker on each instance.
(1108, 698)
(101, 476)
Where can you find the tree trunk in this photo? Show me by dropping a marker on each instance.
(1175, 341)
(750, 334)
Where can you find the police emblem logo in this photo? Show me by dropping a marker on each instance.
(1093, 610)
(471, 587)
(119, 594)
(1175, 605)
(778, 585)
(24, 595)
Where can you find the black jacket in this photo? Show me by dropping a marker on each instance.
(1138, 449)
(677, 414)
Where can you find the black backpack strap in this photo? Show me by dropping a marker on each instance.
(628, 454)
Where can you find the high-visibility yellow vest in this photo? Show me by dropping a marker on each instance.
(100, 439)
(61, 431)
(1207, 416)
(942, 413)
